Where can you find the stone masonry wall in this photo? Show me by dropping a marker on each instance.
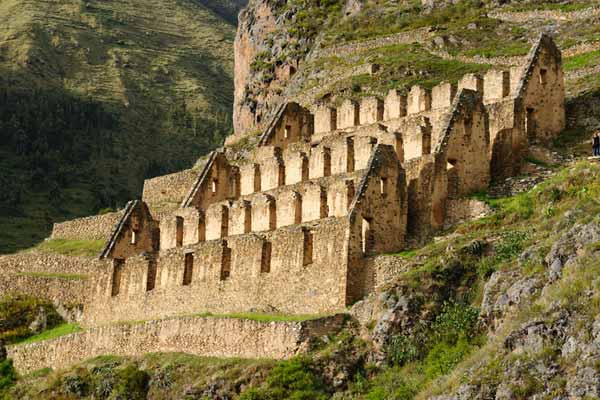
(214, 337)
(98, 227)
(54, 277)
(263, 272)
(168, 191)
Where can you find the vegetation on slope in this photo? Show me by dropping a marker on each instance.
(22, 317)
(76, 248)
(96, 96)
(461, 36)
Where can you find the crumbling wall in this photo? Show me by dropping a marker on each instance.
(377, 218)
(202, 336)
(134, 233)
(98, 227)
(58, 278)
(294, 124)
(542, 90)
(168, 191)
(232, 275)
(218, 181)
(465, 144)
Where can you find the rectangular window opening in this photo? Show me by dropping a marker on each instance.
(308, 248)
(543, 76)
(265, 261)
(179, 231)
(118, 264)
(151, 280)
(383, 186)
(226, 263)
(188, 269)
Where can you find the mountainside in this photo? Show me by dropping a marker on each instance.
(97, 95)
(332, 47)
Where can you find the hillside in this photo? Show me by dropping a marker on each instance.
(98, 95)
(334, 48)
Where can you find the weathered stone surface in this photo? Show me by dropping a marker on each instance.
(213, 337)
(570, 246)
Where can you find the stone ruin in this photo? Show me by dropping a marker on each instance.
(293, 225)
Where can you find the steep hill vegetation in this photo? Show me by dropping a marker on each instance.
(412, 42)
(97, 95)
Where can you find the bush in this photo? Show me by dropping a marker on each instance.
(8, 375)
(132, 384)
(456, 322)
(392, 385)
(511, 245)
(443, 357)
(17, 314)
(402, 349)
(292, 379)
(75, 385)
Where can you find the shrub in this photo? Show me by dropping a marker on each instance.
(292, 379)
(17, 314)
(392, 384)
(401, 350)
(456, 322)
(132, 384)
(443, 357)
(8, 375)
(511, 245)
(75, 385)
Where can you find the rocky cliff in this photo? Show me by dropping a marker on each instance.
(308, 50)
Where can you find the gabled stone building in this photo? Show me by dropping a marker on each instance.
(292, 224)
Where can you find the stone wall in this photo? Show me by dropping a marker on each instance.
(135, 232)
(377, 219)
(209, 337)
(415, 36)
(267, 271)
(168, 191)
(547, 15)
(542, 91)
(57, 278)
(59, 290)
(98, 227)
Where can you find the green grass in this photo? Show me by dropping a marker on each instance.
(85, 248)
(571, 6)
(580, 61)
(269, 317)
(60, 330)
(48, 275)
(406, 254)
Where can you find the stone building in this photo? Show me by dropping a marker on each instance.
(292, 225)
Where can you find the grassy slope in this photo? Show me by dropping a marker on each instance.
(161, 69)
(465, 29)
